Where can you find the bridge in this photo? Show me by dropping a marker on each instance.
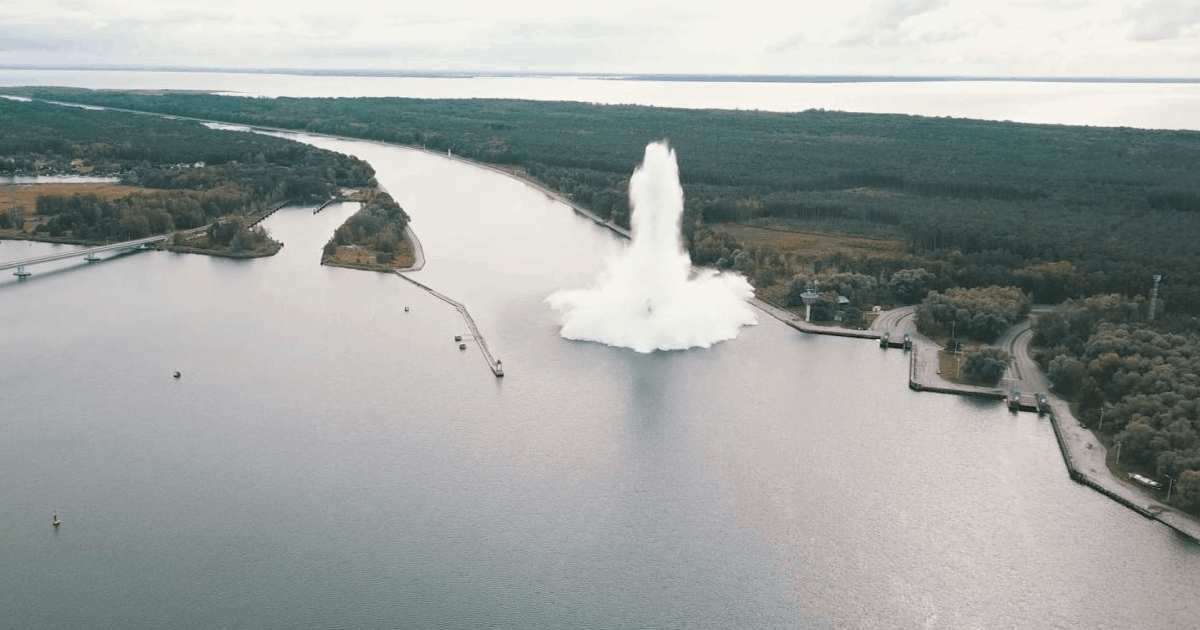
(88, 254)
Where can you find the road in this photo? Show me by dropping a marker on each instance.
(900, 320)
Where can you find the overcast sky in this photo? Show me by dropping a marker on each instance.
(1126, 38)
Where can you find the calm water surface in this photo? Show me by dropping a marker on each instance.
(328, 460)
(1146, 105)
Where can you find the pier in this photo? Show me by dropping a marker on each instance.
(493, 363)
(328, 201)
(255, 219)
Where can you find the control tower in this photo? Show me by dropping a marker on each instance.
(810, 297)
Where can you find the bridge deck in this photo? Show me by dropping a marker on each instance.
(83, 252)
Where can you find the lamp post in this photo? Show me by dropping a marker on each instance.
(1118, 452)
(1169, 486)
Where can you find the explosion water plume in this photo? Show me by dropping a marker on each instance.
(647, 298)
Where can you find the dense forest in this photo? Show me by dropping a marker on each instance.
(1059, 211)
(196, 174)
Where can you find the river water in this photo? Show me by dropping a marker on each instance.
(329, 460)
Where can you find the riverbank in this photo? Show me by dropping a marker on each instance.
(272, 249)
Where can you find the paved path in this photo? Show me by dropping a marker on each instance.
(899, 319)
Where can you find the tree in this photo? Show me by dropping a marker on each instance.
(1136, 441)
(908, 286)
(1067, 374)
(981, 313)
(986, 364)
(795, 289)
(1188, 488)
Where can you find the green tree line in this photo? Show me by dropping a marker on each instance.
(1059, 211)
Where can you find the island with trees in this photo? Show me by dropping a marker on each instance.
(972, 220)
(373, 238)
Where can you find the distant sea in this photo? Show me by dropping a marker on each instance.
(1112, 102)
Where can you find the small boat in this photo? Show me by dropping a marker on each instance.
(177, 375)
(1145, 481)
(56, 522)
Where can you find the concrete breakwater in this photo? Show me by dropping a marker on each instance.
(493, 363)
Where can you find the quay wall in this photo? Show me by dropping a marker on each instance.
(921, 379)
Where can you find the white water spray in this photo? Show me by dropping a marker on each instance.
(645, 300)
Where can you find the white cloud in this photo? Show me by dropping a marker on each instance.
(1163, 20)
(916, 37)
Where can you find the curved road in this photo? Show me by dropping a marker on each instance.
(898, 319)
(1023, 372)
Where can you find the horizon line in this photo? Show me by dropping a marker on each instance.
(625, 76)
